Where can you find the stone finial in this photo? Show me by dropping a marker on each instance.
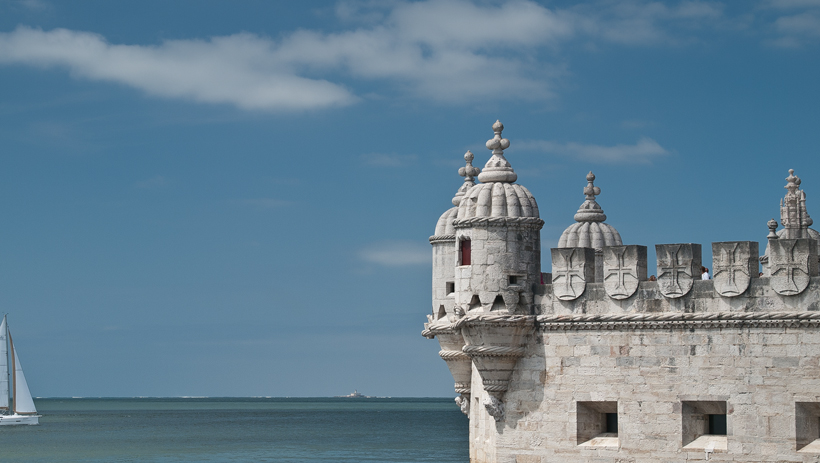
(590, 211)
(793, 215)
(498, 169)
(468, 172)
(772, 229)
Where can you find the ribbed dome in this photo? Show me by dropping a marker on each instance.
(590, 235)
(497, 199)
(444, 226)
(590, 231)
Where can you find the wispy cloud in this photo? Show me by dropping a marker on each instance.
(388, 159)
(645, 150)
(397, 253)
(447, 51)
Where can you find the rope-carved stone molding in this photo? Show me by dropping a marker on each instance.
(453, 355)
(494, 351)
(677, 320)
(495, 385)
(442, 239)
(521, 222)
(637, 321)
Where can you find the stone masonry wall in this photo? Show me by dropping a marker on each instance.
(758, 371)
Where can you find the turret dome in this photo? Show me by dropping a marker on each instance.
(444, 226)
(590, 231)
(497, 196)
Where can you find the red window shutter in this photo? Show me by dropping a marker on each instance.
(465, 252)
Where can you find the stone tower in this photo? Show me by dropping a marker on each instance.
(498, 244)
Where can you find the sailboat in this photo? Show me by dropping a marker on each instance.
(16, 405)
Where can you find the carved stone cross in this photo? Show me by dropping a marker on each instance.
(624, 269)
(572, 268)
(735, 265)
(792, 263)
(678, 267)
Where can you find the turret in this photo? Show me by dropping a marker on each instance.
(589, 229)
(444, 249)
(498, 244)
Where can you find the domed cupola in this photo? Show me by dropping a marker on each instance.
(444, 249)
(497, 196)
(590, 231)
(497, 239)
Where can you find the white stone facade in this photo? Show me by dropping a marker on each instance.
(606, 366)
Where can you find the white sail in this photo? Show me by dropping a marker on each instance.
(4, 367)
(23, 403)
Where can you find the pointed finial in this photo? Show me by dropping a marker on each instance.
(793, 182)
(772, 229)
(468, 172)
(498, 169)
(590, 211)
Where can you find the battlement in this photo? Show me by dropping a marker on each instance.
(596, 361)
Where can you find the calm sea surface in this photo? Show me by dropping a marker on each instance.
(240, 429)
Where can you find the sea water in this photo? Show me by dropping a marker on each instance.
(290, 430)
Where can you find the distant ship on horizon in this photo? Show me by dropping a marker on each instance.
(354, 395)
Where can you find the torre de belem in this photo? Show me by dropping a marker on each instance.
(595, 362)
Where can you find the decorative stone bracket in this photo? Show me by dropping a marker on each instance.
(458, 362)
(495, 343)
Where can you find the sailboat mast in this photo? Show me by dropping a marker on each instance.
(13, 373)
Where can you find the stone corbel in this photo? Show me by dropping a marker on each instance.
(495, 343)
(459, 363)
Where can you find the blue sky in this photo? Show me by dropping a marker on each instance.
(234, 198)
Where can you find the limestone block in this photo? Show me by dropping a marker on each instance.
(678, 268)
(735, 264)
(572, 269)
(792, 263)
(624, 268)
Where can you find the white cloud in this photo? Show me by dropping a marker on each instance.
(450, 51)
(645, 150)
(397, 253)
(237, 69)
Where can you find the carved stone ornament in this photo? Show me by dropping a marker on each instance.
(495, 407)
(572, 268)
(735, 264)
(792, 263)
(678, 267)
(463, 402)
(624, 269)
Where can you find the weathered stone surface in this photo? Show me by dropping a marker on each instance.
(624, 269)
(678, 267)
(792, 263)
(572, 269)
(735, 264)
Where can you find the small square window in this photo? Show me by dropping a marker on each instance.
(451, 287)
(807, 425)
(597, 424)
(513, 279)
(704, 425)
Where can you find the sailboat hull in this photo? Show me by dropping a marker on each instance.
(11, 420)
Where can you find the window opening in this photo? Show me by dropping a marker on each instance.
(451, 287)
(513, 279)
(465, 252)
